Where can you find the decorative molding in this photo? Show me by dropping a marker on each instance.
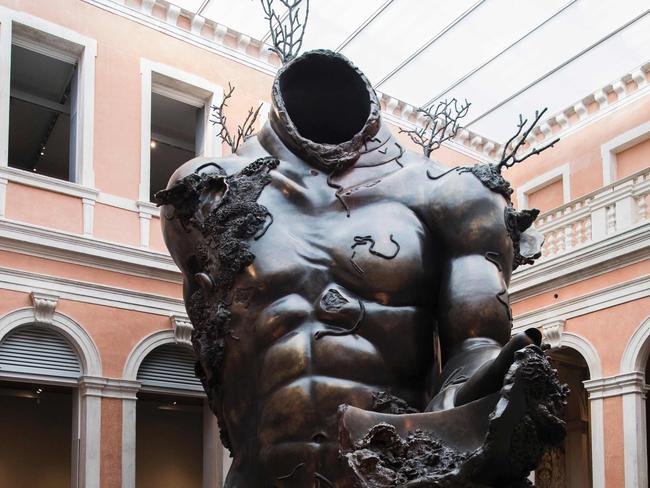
(88, 216)
(621, 384)
(44, 306)
(637, 350)
(625, 95)
(587, 350)
(552, 332)
(93, 293)
(148, 208)
(48, 183)
(182, 329)
(581, 263)
(211, 37)
(143, 348)
(76, 249)
(611, 296)
(102, 387)
(562, 124)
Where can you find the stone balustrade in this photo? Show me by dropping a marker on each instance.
(597, 215)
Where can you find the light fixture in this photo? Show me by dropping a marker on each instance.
(39, 391)
(152, 144)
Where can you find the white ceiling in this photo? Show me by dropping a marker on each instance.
(504, 56)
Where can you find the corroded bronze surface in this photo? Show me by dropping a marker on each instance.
(325, 265)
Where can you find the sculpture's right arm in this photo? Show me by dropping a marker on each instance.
(474, 318)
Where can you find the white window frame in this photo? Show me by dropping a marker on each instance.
(620, 143)
(184, 87)
(560, 173)
(85, 97)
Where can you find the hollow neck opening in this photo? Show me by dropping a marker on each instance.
(327, 99)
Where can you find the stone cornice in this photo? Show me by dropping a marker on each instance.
(579, 264)
(199, 31)
(621, 384)
(625, 89)
(77, 249)
(93, 293)
(611, 296)
(116, 388)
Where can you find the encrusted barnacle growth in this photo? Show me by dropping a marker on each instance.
(223, 253)
(385, 402)
(527, 246)
(385, 458)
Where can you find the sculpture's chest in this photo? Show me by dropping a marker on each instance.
(381, 251)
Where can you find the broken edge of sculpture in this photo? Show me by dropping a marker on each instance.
(498, 439)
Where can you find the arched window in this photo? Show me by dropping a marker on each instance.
(37, 350)
(169, 420)
(569, 465)
(40, 371)
(170, 366)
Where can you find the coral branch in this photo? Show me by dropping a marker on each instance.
(441, 124)
(288, 30)
(509, 155)
(244, 130)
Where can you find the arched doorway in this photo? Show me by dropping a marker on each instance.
(569, 465)
(39, 375)
(169, 420)
(647, 416)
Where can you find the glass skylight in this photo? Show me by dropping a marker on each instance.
(504, 56)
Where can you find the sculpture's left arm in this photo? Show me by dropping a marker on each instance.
(474, 317)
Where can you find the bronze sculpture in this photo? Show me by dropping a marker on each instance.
(349, 300)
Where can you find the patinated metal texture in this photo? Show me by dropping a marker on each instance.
(350, 303)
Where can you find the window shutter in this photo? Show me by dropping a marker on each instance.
(169, 366)
(37, 350)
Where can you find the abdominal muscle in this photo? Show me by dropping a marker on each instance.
(302, 379)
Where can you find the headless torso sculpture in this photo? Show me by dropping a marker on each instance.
(324, 265)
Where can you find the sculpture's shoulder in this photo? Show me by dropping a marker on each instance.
(444, 192)
(223, 165)
(250, 151)
(464, 206)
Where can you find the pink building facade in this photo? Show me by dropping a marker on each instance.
(100, 100)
